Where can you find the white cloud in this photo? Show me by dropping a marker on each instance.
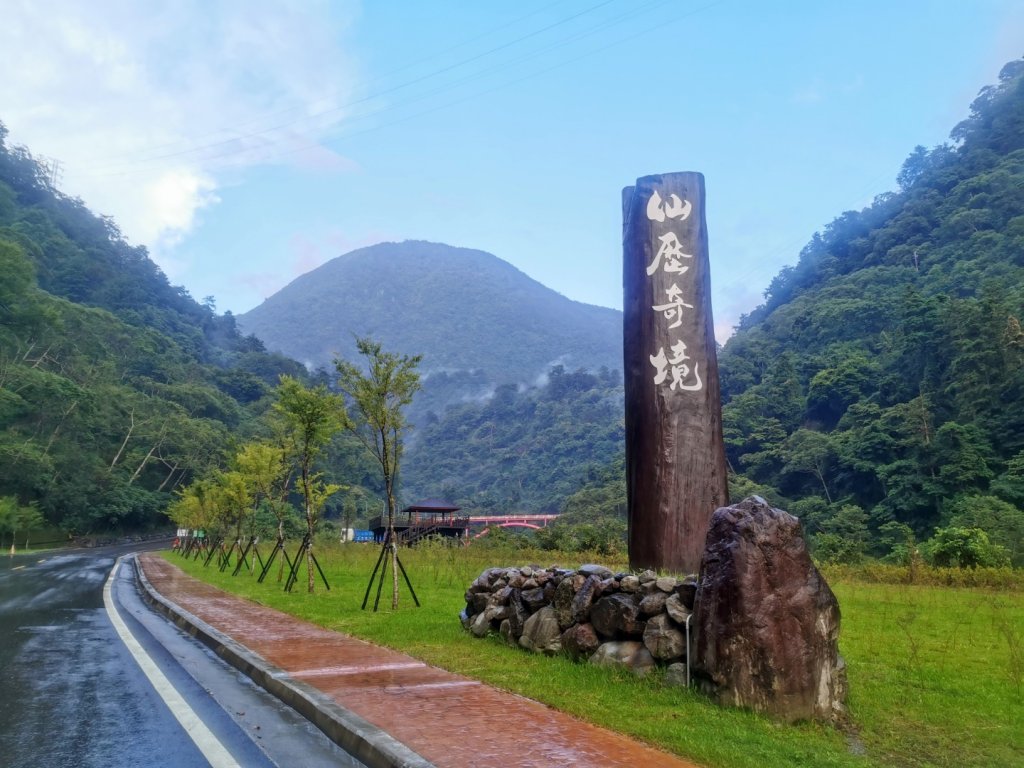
(151, 107)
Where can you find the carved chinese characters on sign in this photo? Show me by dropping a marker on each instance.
(678, 371)
(671, 251)
(673, 308)
(676, 208)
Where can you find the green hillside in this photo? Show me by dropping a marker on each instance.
(522, 449)
(882, 381)
(878, 392)
(115, 386)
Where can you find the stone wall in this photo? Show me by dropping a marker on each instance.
(638, 621)
(764, 635)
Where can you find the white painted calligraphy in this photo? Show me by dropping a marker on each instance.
(660, 362)
(671, 250)
(674, 308)
(677, 366)
(677, 208)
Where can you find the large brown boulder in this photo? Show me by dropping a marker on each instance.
(766, 623)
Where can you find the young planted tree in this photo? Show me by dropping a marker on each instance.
(237, 499)
(309, 418)
(376, 401)
(18, 518)
(268, 475)
(198, 507)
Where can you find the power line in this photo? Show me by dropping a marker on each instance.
(378, 94)
(558, 44)
(289, 110)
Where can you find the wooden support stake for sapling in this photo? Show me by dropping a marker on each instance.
(389, 548)
(293, 574)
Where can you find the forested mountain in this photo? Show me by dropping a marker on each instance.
(523, 449)
(478, 321)
(882, 381)
(115, 387)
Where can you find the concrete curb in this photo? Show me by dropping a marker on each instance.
(360, 738)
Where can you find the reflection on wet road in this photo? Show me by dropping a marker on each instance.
(72, 695)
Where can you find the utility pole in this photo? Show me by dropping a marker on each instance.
(54, 170)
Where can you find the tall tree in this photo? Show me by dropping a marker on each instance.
(377, 400)
(810, 452)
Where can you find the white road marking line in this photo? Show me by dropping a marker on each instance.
(211, 747)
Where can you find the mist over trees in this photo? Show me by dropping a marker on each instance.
(522, 449)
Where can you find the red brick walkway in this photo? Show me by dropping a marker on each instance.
(448, 719)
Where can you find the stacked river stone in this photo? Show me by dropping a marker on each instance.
(637, 621)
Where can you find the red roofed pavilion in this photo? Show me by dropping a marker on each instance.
(429, 517)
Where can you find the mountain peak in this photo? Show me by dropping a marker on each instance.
(462, 309)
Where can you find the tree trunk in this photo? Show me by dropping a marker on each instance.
(309, 549)
(675, 456)
(127, 437)
(824, 487)
(389, 491)
(169, 476)
(145, 461)
(56, 431)
(280, 537)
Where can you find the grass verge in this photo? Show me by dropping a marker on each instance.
(935, 673)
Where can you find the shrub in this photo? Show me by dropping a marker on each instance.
(959, 547)
(1002, 521)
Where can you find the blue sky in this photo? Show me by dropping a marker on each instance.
(247, 142)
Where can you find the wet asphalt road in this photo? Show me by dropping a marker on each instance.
(72, 695)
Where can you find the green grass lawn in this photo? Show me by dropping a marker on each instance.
(935, 673)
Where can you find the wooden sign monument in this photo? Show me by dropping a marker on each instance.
(675, 457)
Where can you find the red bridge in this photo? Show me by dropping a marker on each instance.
(510, 521)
